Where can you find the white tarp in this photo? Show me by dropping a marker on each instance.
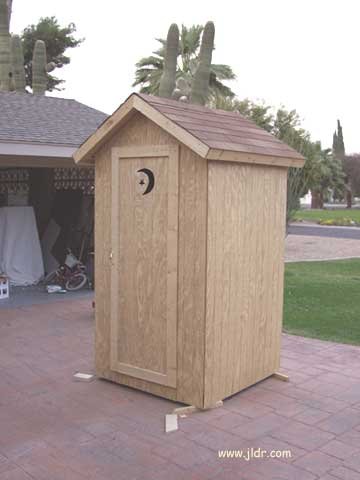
(20, 252)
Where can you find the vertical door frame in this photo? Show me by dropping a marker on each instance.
(150, 151)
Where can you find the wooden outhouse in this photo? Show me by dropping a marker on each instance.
(190, 229)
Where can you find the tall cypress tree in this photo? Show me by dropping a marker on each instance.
(338, 142)
(340, 146)
(335, 142)
(339, 153)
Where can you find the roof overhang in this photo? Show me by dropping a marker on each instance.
(36, 155)
(85, 154)
(242, 157)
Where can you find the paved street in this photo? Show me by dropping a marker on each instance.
(300, 248)
(320, 231)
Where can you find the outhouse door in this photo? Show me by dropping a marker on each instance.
(144, 262)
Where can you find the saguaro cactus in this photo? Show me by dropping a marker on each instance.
(200, 84)
(9, 5)
(39, 76)
(17, 61)
(5, 60)
(168, 78)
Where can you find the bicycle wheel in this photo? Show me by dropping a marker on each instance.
(76, 282)
(51, 277)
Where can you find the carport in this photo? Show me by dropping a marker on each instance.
(46, 202)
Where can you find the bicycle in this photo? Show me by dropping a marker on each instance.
(71, 275)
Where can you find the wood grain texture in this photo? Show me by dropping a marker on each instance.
(192, 277)
(230, 229)
(246, 233)
(140, 132)
(84, 154)
(144, 264)
(253, 158)
(180, 133)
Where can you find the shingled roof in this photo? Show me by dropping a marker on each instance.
(213, 134)
(37, 119)
(221, 129)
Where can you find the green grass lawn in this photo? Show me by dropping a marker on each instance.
(322, 300)
(317, 215)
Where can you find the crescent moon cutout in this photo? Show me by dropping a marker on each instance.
(151, 179)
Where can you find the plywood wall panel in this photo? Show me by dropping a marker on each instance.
(246, 232)
(102, 261)
(191, 260)
(192, 277)
(138, 132)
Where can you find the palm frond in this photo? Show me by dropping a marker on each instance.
(223, 72)
(161, 50)
(190, 39)
(149, 69)
(148, 76)
(218, 88)
(153, 61)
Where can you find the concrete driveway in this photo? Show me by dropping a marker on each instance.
(53, 428)
(37, 295)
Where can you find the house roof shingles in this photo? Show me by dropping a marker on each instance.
(36, 119)
(213, 134)
(220, 129)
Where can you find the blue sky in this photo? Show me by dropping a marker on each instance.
(300, 53)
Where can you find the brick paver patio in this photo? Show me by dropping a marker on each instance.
(53, 428)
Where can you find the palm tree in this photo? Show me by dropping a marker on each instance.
(149, 69)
